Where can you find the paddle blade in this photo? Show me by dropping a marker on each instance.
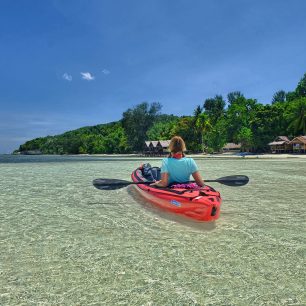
(233, 180)
(109, 184)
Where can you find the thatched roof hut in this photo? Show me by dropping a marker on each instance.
(299, 144)
(163, 146)
(281, 144)
(146, 148)
(279, 140)
(147, 144)
(156, 147)
(164, 143)
(154, 143)
(232, 147)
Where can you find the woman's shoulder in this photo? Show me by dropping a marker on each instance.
(189, 159)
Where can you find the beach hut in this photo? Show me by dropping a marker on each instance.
(232, 147)
(163, 146)
(281, 144)
(156, 147)
(299, 144)
(153, 147)
(146, 148)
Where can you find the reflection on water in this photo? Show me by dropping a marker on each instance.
(63, 242)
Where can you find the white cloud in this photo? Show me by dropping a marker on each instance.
(67, 77)
(105, 71)
(87, 76)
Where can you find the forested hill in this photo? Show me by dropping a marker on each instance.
(102, 138)
(123, 136)
(217, 121)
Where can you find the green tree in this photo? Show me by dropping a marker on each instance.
(291, 96)
(214, 108)
(186, 129)
(233, 96)
(161, 130)
(203, 125)
(301, 88)
(216, 137)
(197, 111)
(267, 123)
(137, 121)
(239, 114)
(297, 116)
(279, 96)
(245, 137)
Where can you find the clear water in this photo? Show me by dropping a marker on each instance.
(63, 242)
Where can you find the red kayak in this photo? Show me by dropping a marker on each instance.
(201, 205)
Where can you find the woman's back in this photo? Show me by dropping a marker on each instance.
(179, 170)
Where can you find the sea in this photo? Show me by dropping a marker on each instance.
(63, 242)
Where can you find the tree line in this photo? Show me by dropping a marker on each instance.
(216, 122)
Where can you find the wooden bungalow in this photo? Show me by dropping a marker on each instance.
(281, 144)
(232, 147)
(163, 146)
(299, 144)
(146, 148)
(156, 147)
(153, 149)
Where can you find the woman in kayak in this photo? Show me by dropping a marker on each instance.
(177, 168)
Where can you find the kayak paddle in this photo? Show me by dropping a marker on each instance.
(113, 184)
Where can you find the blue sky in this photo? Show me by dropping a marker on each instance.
(70, 63)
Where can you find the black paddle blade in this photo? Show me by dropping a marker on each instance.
(233, 180)
(109, 184)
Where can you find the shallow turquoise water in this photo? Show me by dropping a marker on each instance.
(65, 243)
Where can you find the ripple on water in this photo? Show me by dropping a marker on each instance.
(65, 243)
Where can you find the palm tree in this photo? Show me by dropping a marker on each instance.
(279, 96)
(233, 96)
(298, 116)
(204, 126)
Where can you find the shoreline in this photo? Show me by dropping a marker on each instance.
(255, 156)
(207, 156)
(196, 155)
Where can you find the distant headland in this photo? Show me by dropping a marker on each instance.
(213, 125)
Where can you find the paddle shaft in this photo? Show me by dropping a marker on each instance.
(112, 184)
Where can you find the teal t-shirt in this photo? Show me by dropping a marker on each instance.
(179, 170)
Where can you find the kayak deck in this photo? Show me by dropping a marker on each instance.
(201, 205)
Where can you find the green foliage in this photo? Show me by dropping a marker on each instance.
(245, 137)
(203, 127)
(239, 115)
(215, 139)
(301, 88)
(163, 128)
(214, 108)
(104, 138)
(279, 96)
(267, 123)
(252, 124)
(233, 96)
(137, 121)
(291, 96)
(185, 128)
(197, 111)
(296, 115)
